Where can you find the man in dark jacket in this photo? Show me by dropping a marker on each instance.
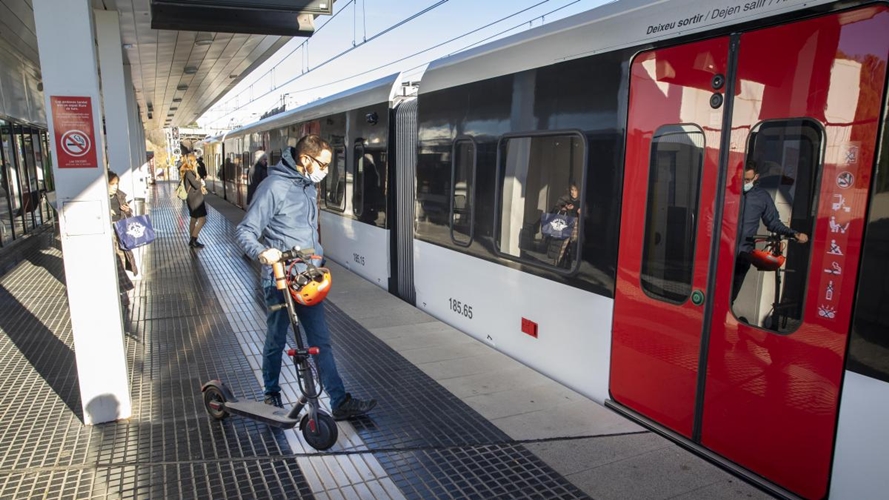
(257, 173)
(202, 169)
(758, 205)
(284, 214)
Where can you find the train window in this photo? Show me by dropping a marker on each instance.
(778, 206)
(463, 191)
(368, 189)
(540, 199)
(334, 185)
(677, 158)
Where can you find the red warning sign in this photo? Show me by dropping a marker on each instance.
(72, 118)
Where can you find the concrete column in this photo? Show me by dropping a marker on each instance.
(73, 108)
(137, 143)
(114, 96)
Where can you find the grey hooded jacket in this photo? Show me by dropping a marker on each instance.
(282, 214)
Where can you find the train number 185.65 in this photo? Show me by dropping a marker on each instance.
(461, 308)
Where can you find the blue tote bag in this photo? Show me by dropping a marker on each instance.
(557, 226)
(134, 232)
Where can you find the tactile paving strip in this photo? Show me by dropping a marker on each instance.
(430, 443)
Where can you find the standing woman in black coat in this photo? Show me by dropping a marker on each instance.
(125, 259)
(196, 208)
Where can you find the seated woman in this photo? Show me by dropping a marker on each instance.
(567, 204)
(125, 259)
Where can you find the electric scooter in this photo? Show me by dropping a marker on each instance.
(318, 427)
(771, 258)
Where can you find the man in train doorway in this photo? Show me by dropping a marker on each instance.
(758, 205)
(283, 215)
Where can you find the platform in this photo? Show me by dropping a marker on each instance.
(455, 418)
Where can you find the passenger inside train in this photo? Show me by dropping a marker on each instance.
(539, 176)
(778, 196)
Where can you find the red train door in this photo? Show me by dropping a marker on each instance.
(748, 362)
(672, 159)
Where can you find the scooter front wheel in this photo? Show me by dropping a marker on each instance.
(214, 402)
(323, 434)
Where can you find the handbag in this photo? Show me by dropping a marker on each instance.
(181, 192)
(557, 226)
(134, 232)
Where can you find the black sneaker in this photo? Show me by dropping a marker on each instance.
(353, 407)
(274, 399)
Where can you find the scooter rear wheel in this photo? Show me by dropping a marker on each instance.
(325, 434)
(214, 402)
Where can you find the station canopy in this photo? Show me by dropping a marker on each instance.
(184, 55)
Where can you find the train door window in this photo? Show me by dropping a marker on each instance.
(463, 191)
(246, 163)
(674, 186)
(334, 185)
(276, 144)
(358, 182)
(540, 200)
(368, 190)
(783, 170)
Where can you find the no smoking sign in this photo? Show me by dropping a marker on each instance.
(72, 118)
(76, 143)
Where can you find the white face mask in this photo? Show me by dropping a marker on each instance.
(317, 175)
(112, 189)
(748, 186)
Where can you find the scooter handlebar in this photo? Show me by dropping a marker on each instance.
(771, 238)
(304, 254)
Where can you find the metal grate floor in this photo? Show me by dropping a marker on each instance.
(195, 316)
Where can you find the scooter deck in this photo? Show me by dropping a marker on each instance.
(271, 415)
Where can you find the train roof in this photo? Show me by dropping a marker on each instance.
(375, 92)
(616, 25)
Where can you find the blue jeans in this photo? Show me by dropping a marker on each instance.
(317, 335)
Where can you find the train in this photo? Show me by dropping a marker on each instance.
(573, 196)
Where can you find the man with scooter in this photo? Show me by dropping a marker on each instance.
(283, 215)
(758, 206)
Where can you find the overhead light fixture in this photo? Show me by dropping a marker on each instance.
(177, 99)
(169, 115)
(232, 76)
(182, 87)
(149, 115)
(173, 109)
(204, 41)
(129, 46)
(190, 70)
(150, 107)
